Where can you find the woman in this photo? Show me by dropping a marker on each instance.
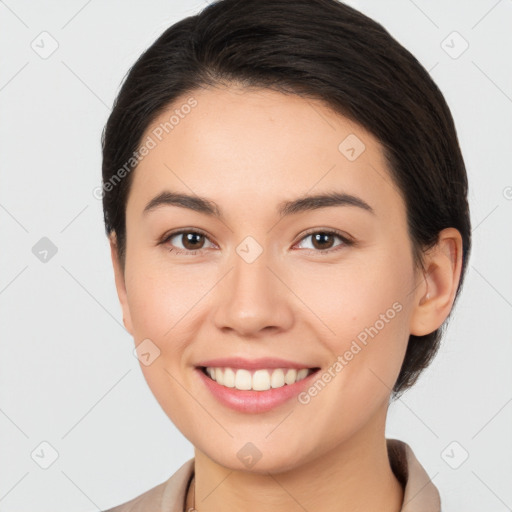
(286, 203)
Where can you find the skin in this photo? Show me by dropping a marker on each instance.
(248, 150)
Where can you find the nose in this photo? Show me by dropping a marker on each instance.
(253, 299)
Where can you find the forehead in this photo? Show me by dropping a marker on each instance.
(248, 143)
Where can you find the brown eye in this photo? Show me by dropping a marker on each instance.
(192, 241)
(324, 241)
(185, 241)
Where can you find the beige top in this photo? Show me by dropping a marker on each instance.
(420, 494)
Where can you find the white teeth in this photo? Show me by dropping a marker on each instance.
(260, 380)
(277, 379)
(229, 378)
(242, 379)
(291, 376)
(302, 374)
(219, 376)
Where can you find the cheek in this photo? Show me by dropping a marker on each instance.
(366, 356)
(349, 297)
(162, 298)
(162, 310)
(365, 308)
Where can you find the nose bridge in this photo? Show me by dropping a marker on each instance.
(252, 297)
(250, 275)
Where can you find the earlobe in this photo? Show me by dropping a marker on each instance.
(120, 283)
(435, 296)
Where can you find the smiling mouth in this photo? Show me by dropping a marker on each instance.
(256, 380)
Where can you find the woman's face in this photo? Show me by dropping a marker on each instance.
(233, 266)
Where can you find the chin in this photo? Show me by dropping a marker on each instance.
(257, 458)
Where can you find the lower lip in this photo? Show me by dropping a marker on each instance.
(251, 401)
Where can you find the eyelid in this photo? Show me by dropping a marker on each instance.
(333, 231)
(174, 232)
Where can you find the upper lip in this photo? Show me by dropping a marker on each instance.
(252, 364)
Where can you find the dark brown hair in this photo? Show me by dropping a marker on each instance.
(319, 49)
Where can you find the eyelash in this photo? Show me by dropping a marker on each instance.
(347, 242)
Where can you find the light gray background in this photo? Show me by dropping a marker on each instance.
(68, 376)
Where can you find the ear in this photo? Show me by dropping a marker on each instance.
(120, 283)
(435, 294)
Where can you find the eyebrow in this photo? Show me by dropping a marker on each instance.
(299, 205)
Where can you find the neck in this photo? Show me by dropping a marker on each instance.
(355, 475)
